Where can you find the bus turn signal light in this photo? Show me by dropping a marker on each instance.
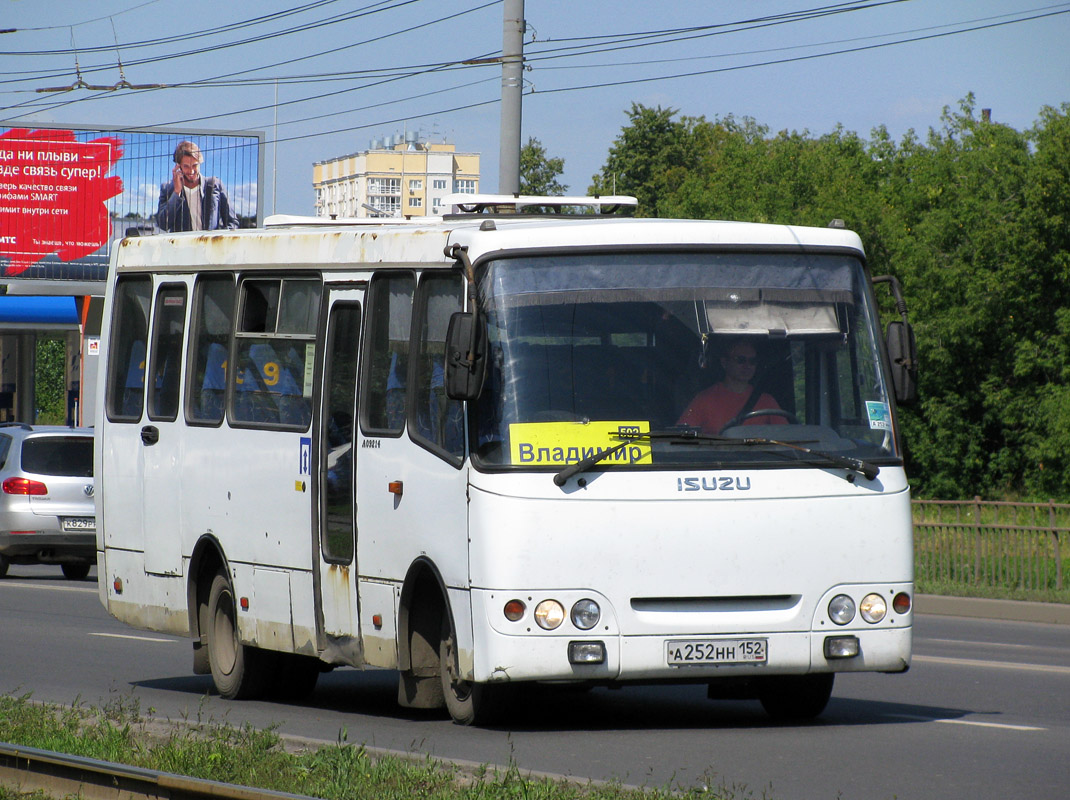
(901, 603)
(514, 610)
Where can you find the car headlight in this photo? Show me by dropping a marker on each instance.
(841, 609)
(585, 614)
(549, 614)
(873, 608)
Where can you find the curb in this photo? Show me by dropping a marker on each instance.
(1011, 610)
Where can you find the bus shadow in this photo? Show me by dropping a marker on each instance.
(373, 693)
(684, 708)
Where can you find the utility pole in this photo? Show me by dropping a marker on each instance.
(512, 91)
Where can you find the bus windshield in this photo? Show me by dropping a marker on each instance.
(722, 348)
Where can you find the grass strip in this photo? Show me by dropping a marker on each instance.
(118, 732)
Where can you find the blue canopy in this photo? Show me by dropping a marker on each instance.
(31, 311)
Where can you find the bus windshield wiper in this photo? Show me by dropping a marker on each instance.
(684, 436)
(864, 468)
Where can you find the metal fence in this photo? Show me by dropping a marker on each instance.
(1016, 546)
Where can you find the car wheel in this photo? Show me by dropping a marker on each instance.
(238, 670)
(75, 571)
(3, 566)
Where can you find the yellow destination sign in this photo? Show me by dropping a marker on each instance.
(560, 443)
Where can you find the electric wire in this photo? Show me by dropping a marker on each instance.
(794, 59)
(621, 40)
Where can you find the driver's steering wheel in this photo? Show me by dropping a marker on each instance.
(739, 419)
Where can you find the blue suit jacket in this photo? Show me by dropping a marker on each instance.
(173, 211)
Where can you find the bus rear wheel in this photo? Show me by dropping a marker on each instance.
(470, 703)
(796, 697)
(237, 669)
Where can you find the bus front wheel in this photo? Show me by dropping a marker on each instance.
(796, 697)
(237, 669)
(470, 703)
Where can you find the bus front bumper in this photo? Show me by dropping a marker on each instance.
(543, 656)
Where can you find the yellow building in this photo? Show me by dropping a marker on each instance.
(395, 177)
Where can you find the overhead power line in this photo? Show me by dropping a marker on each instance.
(597, 45)
(809, 57)
(374, 8)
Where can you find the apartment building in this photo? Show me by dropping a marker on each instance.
(397, 176)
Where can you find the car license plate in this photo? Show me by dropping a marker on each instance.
(696, 652)
(79, 523)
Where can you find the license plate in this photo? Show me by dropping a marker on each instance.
(79, 523)
(689, 652)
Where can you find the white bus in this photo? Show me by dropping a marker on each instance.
(457, 448)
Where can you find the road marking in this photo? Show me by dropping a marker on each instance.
(15, 582)
(979, 644)
(135, 638)
(974, 662)
(974, 723)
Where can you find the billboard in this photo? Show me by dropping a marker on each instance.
(66, 195)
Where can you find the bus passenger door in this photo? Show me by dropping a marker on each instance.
(161, 436)
(334, 479)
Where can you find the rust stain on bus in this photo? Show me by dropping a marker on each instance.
(338, 573)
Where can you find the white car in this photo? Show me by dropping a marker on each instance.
(47, 513)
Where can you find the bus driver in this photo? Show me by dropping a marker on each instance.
(714, 407)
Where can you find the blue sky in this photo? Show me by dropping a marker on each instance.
(899, 68)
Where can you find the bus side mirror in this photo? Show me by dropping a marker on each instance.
(903, 355)
(466, 356)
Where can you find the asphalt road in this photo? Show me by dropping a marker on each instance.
(983, 713)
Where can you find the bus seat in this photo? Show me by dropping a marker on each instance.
(247, 398)
(134, 387)
(395, 393)
(214, 384)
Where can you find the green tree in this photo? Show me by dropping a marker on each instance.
(1043, 354)
(956, 236)
(538, 173)
(50, 382)
(651, 157)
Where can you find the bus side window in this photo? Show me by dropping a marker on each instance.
(436, 420)
(274, 343)
(126, 352)
(134, 388)
(386, 358)
(213, 315)
(168, 327)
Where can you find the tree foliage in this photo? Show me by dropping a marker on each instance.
(538, 172)
(50, 381)
(974, 220)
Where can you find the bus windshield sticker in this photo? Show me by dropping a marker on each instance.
(561, 443)
(879, 417)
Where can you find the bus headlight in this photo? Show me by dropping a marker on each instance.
(841, 609)
(585, 614)
(549, 614)
(873, 608)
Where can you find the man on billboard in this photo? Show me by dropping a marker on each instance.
(190, 202)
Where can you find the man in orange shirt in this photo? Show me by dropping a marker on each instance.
(712, 409)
